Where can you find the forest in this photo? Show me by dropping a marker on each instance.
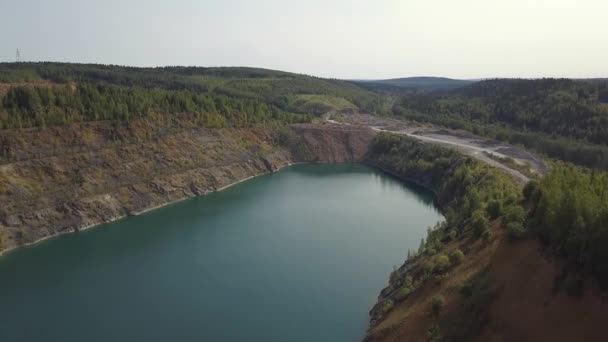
(59, 93)
(561, 118)
(470, 193)
(569, 211)
(59, 105)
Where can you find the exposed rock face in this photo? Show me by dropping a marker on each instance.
(59, 180)
(336, 143)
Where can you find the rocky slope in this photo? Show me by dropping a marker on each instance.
(465, 285)
(65, 179)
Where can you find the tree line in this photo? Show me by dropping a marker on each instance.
(564, 119)
(470, 193)
(275, 88)
(63, 104)
(569, 211)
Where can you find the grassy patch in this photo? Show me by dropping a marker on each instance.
(319, 104)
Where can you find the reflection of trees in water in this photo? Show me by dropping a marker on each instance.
(330, 169)
(422, 194)
(386, 180)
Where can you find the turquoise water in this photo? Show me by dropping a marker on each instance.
(299, 255)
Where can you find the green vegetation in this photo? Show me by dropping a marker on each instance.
(55, 94)
(59, 105)
(406, 289)
(465, 188)
(319, 104)
(388, 306)
(570, 212)
(437, 265)
(456, 257)
(437, 303)
(478, 292)
(471, 194)
(564, 119)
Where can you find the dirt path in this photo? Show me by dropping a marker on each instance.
(471, 150)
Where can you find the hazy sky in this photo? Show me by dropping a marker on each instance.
(330, 38)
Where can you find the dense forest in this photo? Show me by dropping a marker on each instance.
(569, 211)
(58, 105)
(471, 193)
(40, 94)
(564, 119)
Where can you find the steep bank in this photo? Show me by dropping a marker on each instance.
(58, 180)
(478, 276)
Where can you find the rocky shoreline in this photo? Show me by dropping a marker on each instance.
(143, 211)
(47, 194)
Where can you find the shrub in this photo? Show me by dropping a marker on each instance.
(453, 234)
(479, 223)
(514, 213)
(516, 230)
(511, 199)
(409, 281)
(22, 234)
(479, 289)
(531, 190)
(441, 263)
(387, 306)
(486, 235)
(437, 304)
(456, 257)
(404, 292)
(494, 209)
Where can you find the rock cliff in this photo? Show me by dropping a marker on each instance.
(59, 180)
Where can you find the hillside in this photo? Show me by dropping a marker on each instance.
(68, 178)
(505, 265)
(85, 144)
(41, 94)
(562, 118)
(415, 83)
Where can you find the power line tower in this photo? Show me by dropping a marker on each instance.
(18, 56)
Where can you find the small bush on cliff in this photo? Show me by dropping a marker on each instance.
(486, 236)
(439, 264)
(403, 293)
(456, 257)
(22, 234)
(387, 306)
(514, 213)
(516, 230)
(479, 223)
(406, 289)
(453, 234)
(437, 303)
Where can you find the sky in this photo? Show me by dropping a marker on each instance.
(350, 39)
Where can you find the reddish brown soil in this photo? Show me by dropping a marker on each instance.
(525, 307)
(527, 310)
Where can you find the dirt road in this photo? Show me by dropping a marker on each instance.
(511, 159)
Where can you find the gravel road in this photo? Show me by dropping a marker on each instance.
(487, 151)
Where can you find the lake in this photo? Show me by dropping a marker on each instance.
(298, 255)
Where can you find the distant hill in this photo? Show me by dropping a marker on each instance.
(55, 94)
(415, 83)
